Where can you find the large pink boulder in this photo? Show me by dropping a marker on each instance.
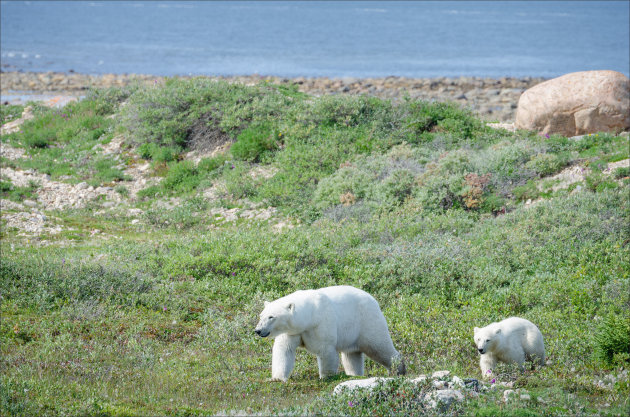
(577, 104)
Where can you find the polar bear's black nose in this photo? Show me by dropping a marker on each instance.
(257, 332)
(480, 350)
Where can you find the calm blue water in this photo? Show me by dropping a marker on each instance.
(335, 39)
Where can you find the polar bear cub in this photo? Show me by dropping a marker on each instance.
(326, 322)
(512, 340)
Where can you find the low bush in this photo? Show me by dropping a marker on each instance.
(613, 339)
(254, 142)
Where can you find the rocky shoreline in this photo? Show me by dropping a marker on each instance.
(492, 99)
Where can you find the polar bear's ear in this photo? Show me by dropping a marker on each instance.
(267, 303)
(497, 331)
(476, 329)
(291, 307)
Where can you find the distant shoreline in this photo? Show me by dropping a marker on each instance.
(490, 98)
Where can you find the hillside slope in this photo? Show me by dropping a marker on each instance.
(143, 227)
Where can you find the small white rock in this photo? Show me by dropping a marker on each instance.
(440, 374)
(458, 382)
(420, 379)
(359, 383)
(440, 385)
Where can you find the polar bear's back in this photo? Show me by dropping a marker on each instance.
(527, 332)
(358, 313)
(350, 301)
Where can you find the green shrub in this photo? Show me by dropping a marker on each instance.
(621, 172)
(104, 171)
(597, 182)
(182, 176)
(40, 132)
(158, 153)
(613, 337)
(386, 180)
(424, 116)
(210, 165)
(253, 142)
(526, 192)
(545, 164)
(150, 192)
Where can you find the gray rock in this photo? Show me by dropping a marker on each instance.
(440, 374)
(443, 399)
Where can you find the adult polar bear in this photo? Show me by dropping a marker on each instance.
(512, 340)
(325, 322)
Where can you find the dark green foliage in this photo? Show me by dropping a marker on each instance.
(158, 153)
(426, 117)
(182, 176)
(622, 172)
(210, 165)
(613, 338)
(253, 142)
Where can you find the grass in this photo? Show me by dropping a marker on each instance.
(417, 203)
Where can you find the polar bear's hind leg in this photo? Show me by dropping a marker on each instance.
(353, 363)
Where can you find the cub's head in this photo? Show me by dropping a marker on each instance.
(486, 338)
(274, 319)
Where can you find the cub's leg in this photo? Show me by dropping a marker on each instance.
(352, 363)
(487, 363)
(283, 356)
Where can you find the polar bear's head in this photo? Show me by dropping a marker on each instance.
(486, 338)
(275, 318)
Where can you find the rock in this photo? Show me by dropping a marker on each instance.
(440, 374)
(353, 384)
(29, 203)
(472, 384)
(420, 379)
(443, 399)
(577, 104)
(458, 382)
(440, 385)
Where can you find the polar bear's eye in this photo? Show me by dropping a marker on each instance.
(271, 317)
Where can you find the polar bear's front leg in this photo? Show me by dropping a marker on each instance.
(487, 363)
(328, 361)
(283, 356)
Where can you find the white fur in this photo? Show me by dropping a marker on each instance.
(326, 322)
(512, 340)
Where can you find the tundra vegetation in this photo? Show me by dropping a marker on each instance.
(448, 223)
